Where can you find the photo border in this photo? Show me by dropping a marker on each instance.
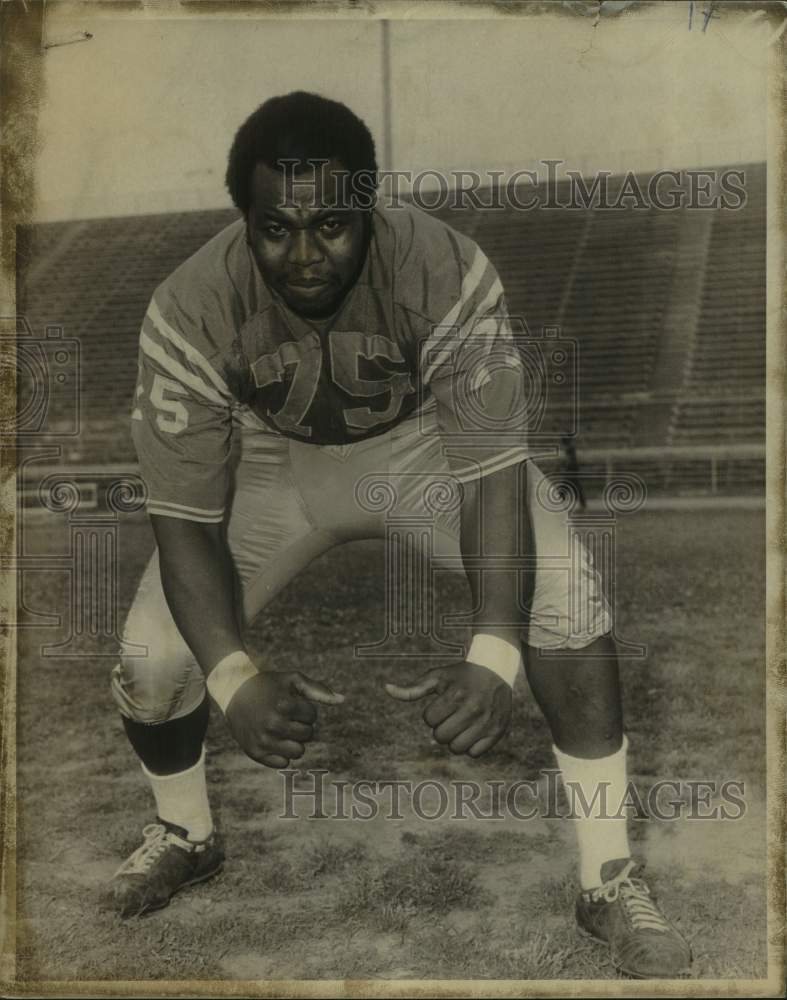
(21, 78)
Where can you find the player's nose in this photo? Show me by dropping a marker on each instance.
(304, 250)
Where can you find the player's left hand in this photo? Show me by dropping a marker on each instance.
(470, 710)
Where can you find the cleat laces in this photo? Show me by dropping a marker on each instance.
(635, 899)
(157, 840)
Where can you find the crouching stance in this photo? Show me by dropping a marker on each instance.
(352, 351)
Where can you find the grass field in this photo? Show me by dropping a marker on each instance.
(402, 898)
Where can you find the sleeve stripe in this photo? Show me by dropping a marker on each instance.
(432, 347)
(180, 516)
(491, 299)
(188, 350)
(177, 370)
(481, 469)
(246, 418)
(163, 507)
(469, 285)
(207, 511)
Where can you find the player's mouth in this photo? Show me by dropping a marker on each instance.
(310, 296)
(306, 285)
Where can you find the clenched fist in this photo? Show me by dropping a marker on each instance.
(272, 715)
(470, 709)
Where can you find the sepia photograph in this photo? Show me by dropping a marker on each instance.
(393, 474)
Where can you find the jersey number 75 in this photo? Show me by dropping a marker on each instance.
(301, 362)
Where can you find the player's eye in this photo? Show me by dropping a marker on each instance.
(331, 227)
(274, 230)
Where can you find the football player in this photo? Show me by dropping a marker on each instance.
(340, 342)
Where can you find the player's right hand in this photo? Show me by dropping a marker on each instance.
(272, 715)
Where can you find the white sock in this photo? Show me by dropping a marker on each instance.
(601, 836)
(182, 799)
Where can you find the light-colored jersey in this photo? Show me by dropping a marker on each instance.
(425, 326)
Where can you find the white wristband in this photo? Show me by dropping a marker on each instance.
(228, 675)
(499, 656)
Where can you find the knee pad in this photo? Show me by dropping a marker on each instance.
(569, 609)
(156, 688)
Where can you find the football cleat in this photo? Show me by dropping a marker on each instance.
(165, 863)
(623, 913)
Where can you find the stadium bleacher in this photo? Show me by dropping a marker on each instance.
(724, 386)
(603, 277)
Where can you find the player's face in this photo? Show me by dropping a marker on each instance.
(309, 245)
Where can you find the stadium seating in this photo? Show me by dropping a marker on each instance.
(724, 385)
(604, 278)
